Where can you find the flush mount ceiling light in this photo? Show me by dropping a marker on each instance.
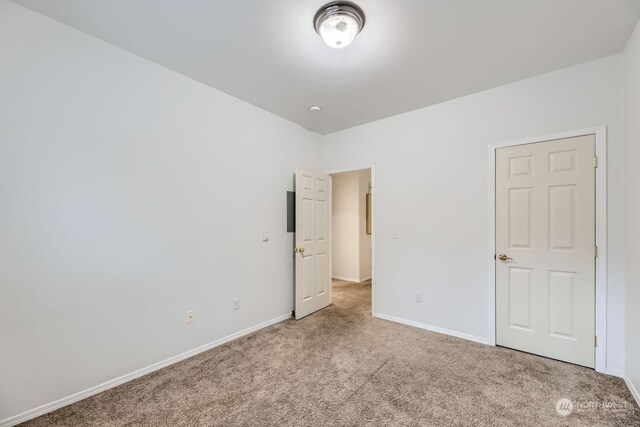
(315, 108)
(338, 23)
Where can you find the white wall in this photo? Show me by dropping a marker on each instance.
(345, 221)
(364, 178)
(128, 195)
(351, 245)
(632, 136)
(432, 187)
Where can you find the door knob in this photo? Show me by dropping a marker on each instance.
(503, 257)
(301, 250)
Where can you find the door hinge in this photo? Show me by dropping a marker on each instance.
(595, 161)
(595, 341)
(595, 252)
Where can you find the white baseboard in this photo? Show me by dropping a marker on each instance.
(614, 372)
(41, 410)
(351, 279)
(347, 279)
(632, 389)
(431, 328)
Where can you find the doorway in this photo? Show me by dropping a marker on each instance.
(352, 238)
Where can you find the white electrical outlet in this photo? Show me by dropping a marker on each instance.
(395, 235)
(419, 297)
(236, 304)
(191, 316)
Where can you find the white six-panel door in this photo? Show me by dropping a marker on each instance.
(313, 246)
(545, 242)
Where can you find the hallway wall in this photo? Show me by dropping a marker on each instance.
(351, 246)
(365, 239)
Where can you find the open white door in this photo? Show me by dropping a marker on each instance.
(313, 245)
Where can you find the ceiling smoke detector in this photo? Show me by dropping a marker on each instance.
(338, 23)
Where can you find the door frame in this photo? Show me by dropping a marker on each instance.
(600, 133)
(372, 167)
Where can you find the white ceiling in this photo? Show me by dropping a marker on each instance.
(410, 54)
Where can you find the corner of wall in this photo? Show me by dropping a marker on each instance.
(631, 112)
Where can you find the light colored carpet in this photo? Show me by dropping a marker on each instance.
(341, 366)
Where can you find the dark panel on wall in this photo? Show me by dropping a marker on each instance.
(291, 211)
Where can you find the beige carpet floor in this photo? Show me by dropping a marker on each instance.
(342, 367)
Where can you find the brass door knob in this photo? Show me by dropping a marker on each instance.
(503, 257)
(301, 250)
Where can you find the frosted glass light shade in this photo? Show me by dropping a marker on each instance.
(338, 23)
(339, 30)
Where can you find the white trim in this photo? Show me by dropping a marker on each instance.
(600, 133)
(372, 167)
(351, 279)
(432, 328)
(41, 410)
(615, 372)
(632, 389)
(346, 279)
